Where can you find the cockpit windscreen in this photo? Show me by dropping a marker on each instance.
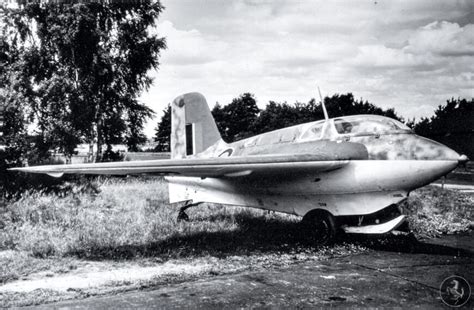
(368, 124)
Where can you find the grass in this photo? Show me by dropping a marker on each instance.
(433, 211)
(16, 264)
(124, 212)
(130, 219)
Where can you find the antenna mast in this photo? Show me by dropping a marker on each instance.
(326, 117)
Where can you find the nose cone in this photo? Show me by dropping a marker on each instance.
(431, 150)
(435, 160)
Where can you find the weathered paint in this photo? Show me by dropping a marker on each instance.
(361, 187)
(397, 144)
(178, 132)
(224, 191)
(187, 109)
(404, 147)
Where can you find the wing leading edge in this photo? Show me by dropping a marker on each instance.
(200, 167)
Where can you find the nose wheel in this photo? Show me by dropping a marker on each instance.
(319, 227)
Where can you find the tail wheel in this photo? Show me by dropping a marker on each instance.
(319, 227)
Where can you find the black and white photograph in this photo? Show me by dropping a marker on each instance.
(238, 154)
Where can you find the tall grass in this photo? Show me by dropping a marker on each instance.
(132, 218)
(127, 218)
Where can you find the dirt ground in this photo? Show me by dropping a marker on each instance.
(408, 277)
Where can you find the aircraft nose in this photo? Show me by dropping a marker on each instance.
(427, 149)
(439, 157)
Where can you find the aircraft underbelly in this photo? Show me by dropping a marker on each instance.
(361, 187)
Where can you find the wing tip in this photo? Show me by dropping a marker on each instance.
(36, 170)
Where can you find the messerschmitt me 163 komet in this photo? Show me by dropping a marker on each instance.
(348, 173)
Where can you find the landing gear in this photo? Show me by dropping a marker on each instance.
(319, 227)
(182, 216)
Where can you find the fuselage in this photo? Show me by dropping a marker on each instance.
(387, 161)
(396, 157)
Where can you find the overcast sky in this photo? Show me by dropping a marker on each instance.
(409, 55)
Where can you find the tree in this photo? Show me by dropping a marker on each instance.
(218, 114)
(236, 119)
(452, 124)
(14, 99)
(343, 105)
(163, 131)
(87, 63)
(279, 115)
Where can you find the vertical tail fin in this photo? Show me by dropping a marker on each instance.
(193, 128)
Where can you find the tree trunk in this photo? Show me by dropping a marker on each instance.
(90, 154)
(100, 141)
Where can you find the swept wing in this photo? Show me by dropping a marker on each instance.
(200, 167)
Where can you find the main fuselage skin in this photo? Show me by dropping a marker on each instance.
(388, 164)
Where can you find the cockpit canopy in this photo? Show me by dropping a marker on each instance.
(368, 124)
(356, 125)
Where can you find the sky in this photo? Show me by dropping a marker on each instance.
(409, 55)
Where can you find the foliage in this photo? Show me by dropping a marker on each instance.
(83, 66)
(341, 105)
(452, 124)
(163, 131)
(15, 113)
(280, 115)
(236, 119)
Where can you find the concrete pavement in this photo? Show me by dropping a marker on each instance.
(401, 273)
